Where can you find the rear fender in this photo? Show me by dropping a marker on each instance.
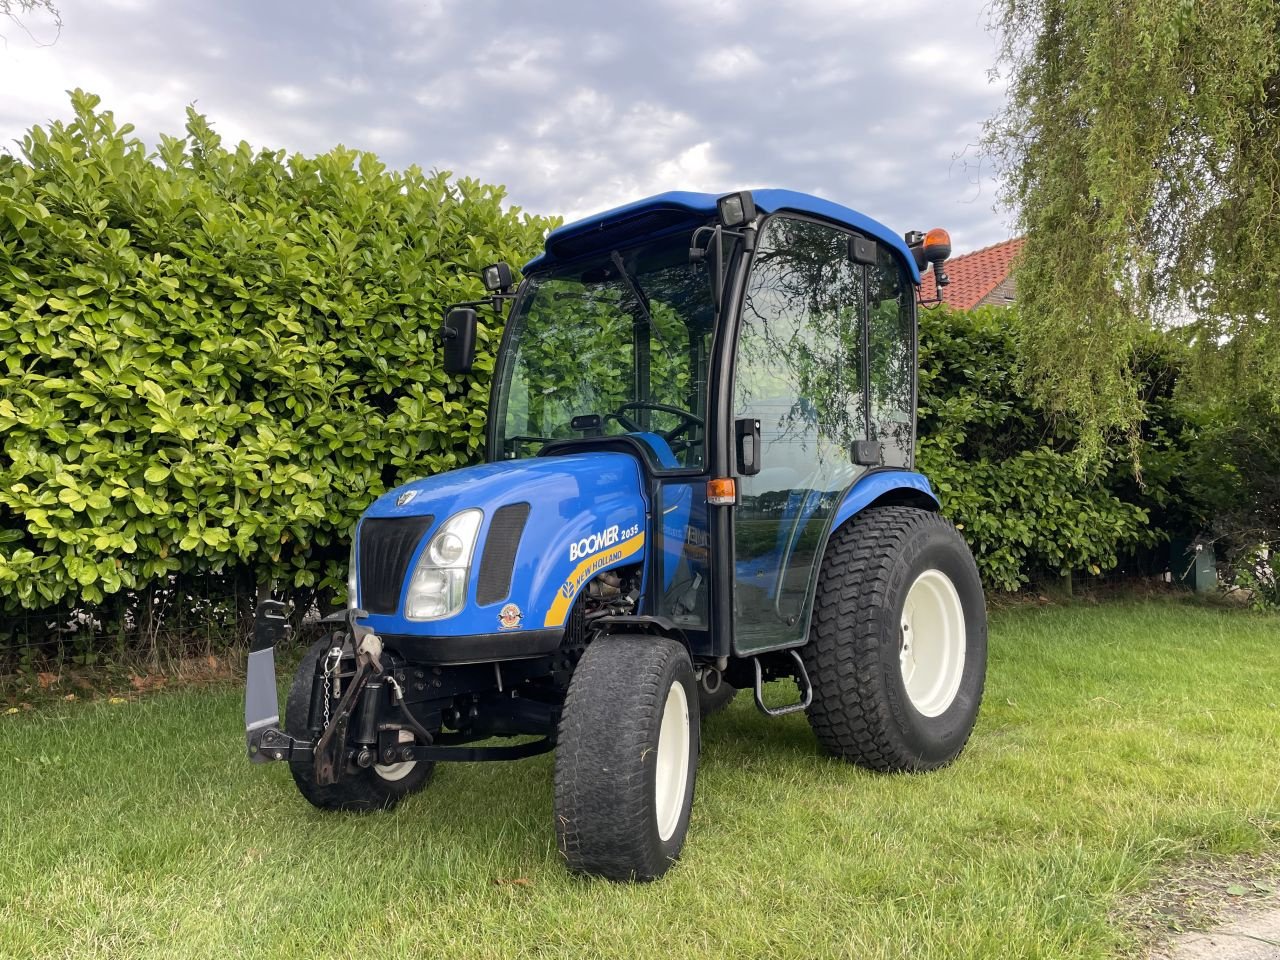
(899, 487)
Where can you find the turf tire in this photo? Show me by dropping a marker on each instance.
(358, 790)
(606, 809)
(710, 703)
(861, 710)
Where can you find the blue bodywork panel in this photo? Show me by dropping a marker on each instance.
(588, 512)
(875, 485)
(661, 450)
(681, 210)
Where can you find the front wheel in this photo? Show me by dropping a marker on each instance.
(627, 758)
(897, 650)
(378, 787)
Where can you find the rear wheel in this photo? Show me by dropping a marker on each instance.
(378, 787)
(626, 758)
(897, 646)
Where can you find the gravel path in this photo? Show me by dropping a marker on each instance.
(1252, 937)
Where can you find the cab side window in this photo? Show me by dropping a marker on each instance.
(891, 336)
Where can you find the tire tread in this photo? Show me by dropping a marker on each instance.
(603, 806)
(849, 715)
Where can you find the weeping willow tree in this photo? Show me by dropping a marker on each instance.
(1140, 152)
(16, 11)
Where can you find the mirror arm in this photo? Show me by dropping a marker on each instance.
(495, 301)
(718, 283)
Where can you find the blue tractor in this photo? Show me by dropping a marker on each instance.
(698, 480)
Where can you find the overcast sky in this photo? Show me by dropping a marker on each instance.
(574, 106)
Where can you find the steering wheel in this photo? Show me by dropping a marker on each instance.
(691, 420)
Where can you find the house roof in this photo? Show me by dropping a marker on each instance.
(976, 276)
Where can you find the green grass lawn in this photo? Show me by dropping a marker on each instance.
(1114, 739)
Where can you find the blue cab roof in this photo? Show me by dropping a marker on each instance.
(680, 210)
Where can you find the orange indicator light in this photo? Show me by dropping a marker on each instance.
(722, 491)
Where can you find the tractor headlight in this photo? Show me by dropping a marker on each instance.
(438, 587)
(353, 602)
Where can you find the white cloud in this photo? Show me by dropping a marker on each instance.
(831, 14)
(600, 47)
(719, 12)
(729, 63)
(445, 90)
(575, 106)
(951, 66)
(598, 153)
(526, 72)
(289, 95)
(379, 138)
(696, 168)
(36, 81)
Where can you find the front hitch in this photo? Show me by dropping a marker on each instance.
(264, 738)
(360, 695)
(330, 749)
(261, 703)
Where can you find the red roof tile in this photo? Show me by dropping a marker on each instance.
(974, 276)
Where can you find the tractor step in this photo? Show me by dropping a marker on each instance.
(802, 679)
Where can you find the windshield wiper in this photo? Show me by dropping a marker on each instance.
(641, 298)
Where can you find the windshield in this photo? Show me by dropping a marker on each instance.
(613, 345)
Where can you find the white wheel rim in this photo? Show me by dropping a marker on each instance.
(931, 643)
(397, 771)
(672, 773)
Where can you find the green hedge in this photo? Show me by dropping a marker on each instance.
(1008, 474)
(215, 358)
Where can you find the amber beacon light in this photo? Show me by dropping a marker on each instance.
(937, 245)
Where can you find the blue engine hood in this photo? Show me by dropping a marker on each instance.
(588, 512)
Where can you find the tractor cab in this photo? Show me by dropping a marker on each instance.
(754, 351)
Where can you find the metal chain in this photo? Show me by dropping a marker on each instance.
(331, 661)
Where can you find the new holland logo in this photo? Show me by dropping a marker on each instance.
(405, 497)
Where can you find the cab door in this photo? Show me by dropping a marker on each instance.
(800, 369)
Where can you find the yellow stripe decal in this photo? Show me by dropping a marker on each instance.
(583, 572)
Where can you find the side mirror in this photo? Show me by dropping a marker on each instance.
(459, 336)
(747, 434)
(867, 453)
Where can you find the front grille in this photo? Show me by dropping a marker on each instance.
(499, 559)
(386, 547)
